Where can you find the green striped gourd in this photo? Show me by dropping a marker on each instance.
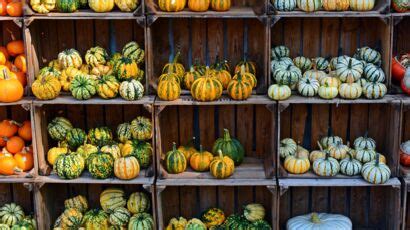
(316, 74)
(368, 54)
(126, 69)
(287, 75)
(350, 89)
(78, 202)
(376, 172)
(279, 92)
(83, 87)
(365, 155)
(374, 90)
(175, 161)
(321, 63)
(338, 150)
(195, 224)
(24, 224)
(133, 50)
(119, 216)
(138, 202)
(372, 73)
(11, 213)
(139, 149)
(131, 90)
(347, 66)
(95, 219)
(67, 6)
(48, 71)
(107, 87)
(260, 225)
(124, 132)
(4, 227)
(287, 147)
(230, 147)
(254, 212)
(309, 5)
(364, 142)
(58, 128)
(330, 139)
(96, 56)
(112, 198)
(308, 87)
(284, 5)
(113, 149)
(86, 150)
(100, 136)
(237, 222)
(350, 166)
(100, 165)
(69, 57)
(141, 128)
(213, 217)
(327, 166)
(303, 63)
(141, 221)
(278, 52)
(75, 138)
(70, 219)
(69, 166)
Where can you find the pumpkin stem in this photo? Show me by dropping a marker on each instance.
(320, 146)
(242, 69)
(174, 146)
(227, 136)
(315, 218)
(177, 57)
(11, 34)
(200, 149)
(366, 134)
(377, 159)
(220, 154)
(6, 75)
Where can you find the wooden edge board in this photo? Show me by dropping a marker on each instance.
(216, 182)
(95, 101)
(9, 18)
(319, 14)
(224, 100)
(113, 17)
(393, 182)
(234, 12)
(406, 14)
(25, 100)
(16, 180)
(87, 180)
(297, 99)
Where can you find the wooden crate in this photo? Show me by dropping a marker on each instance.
(368, 206)
(21, 194)
(333, 36)
(245, 8)
(405, 223)
(253, 122)
(308, 121)
(85, 116)
(49, 206)
(204, 39)
(46, 38)
(190, 201)
(405, 132)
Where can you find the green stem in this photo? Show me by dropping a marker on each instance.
(174, 146)
(227, 136)
(220, 154)
(315, 218)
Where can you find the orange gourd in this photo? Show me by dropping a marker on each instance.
(15, 9)
(24, 160)
(3, 58)
(8, 128)
(9, 65)
(3, 8)
(199, 5)
(20, 62)
(21, 77)
(4, 51)
(8, 165)
(15, 47)
(24, 131)
(14, 144)
(11, 89)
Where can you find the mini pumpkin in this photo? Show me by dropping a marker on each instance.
(287, 147)
(175, 161)
(297, 164)
(200, 161)
(327, 166)
(279, 92)
(206, 88)
(222, 166)
(376, 172)
(46, 88)
(350, 166)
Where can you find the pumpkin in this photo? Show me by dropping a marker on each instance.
(99, 136)
(248, 66)
(230, 147)
(279, 52)
(309, 5)
(75, 137)
(175, 161)
(119, 216)
(239, 88)
(376, 172)
(48, 71)
(362, 5)
(347, 66)
(315, 74)
(279, 92)
(43, 6)
(126, 168)
(327, 166)
(190, 77)
(338, 150)
(25, 224)
(223, 76)
(11, 89)
(195, 224)
(96, 55)
(321, 63)
(284, 5)
(374, 90)
(175, 67)
(254, 212)
(83, 87)
(100, 165)
(14, 144)
(221, 166)
(101, 6)
(126, 5)
(287, 75)
(297, 164)
(86, 150)
(206, 88)
(330, 139)
(303, 63)
(367, 54)
(245, 76)
(260, 225)
(284, 61)
(112, 198)
(171, 5)
(328, 92)
(8, 165)
(124, 132)
(71, 218)
(365, 155)
(95, 219)
(141, 221)
(316, 221)
(373, 73)
(69, 166)
(8, 128)
(20, 63)
(101, 70)
(11, 213)
(364, 142)
(131, 90)
(238, 222)
(287, 147)
(169, 88)
(141, 128)
(200, 161)
(198, 5)
(67, 76)
(15, 47)
(350, 166)
(45, 88)
(308, 87)
(138, 202)
(336, 5)
(107, 87)
(78, 202)
(69, 57)
(221, 5)
(139, 149)
(189, 149)
(53, 154)
(132, 49)
(213, 217)
(316, 154)
(4, 226)
(55, 64)
(177, 224)
(24, 160)
(126, 69)
(350, 89)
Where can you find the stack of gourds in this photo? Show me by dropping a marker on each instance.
(69, 6)
(327, 5)
(100, 74)
(194, 5)
(349, 77)
(214, 218)
(12, 217)
(117, 212)
(334, 157)
(16, 153)
(98, 152)
(207, 83)
(228, 152)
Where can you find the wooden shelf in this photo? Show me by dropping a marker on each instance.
(16, 180)
(297, 99)
(8, 18)
(406, 14)
(69, 100)
(328, 182)
(24, 101)
(234, 12)
(224, 100)
(82, 14)
(330, 14)
(216, 182)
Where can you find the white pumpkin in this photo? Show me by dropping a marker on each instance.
(319, 221)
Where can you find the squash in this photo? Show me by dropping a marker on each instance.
(366, 53)
(327, 166)
(330, 139)
(172, 5)
(260, 225)
(175, 67)
(113, 149)
(316, 154)
(141, 128)
(126, 168)
(245, 76)
(401, 6)
(328, 92)
(67, 76)
(287, 147)
(373, 73)
(350, 166)
(279, 92)
(309, 5)
(169, 88)
(46, 88)
(319, 221)
(308, 87)
(321, 63)
(279, 52)
(43, 6)
(200, 161)
(254, 212)
(362, 5)
(195, 224)
(189, 149)
(331, 80)
(101, 70)
(374, 90)
(97, 55)
(131, 90)
(25, 224)
(138, 202)
(347, 66)
(86, 150)
(221, 5)
(75, 137)
(199, 5)
(303, 63)
(141, 221)
(364, 142)
(222, 166)
(190, 77)
(119, 216)
(78, 202)
(376, 172)
(48, 71)
(139, 149)
(99, 136)
(11, 213)
(338, 150)
(250, 67)
(350, 89)
(69, 166)
(405, 153)
(70, 219)
(230, 147)
(213, 217)
(297, 164)
(107, 87)
(315, 74)
(58, 128)
(336, 5)
(69, 57)
(177, 224)
(284, 61)
(83, 87)
(287, 75)
(126, 5)
(239, 88)
(175, 161)
(95, 219)
(133, 50)
(239, 222)
(124, 132)
(284, 5)
(100, 165)
(126, 69)
(112, 198)
(365, 155)
(207, 88)
(53, 154)
(223, 76)
(101, 6)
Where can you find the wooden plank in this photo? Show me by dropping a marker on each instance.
(235, 32)
(340, 121)
(206, 126)
(23, 197)
(293, 34)
(226, 199)
(330, 37)
(348, 40)
(186, 126)
(300, 205)
(338, 197)
(359, 206)
(244, 127)
(215, 39)
(199, 40)
(299, 113)
(320, 196)
(207, 197)
(245, 196)
(320, 124)
(378, 207)
(311, 41)
(188, 202)
(358, 121)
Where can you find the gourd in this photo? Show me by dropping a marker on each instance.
(174, 66)
(222, 75)
(221, 5)
(133, 50)
(112, 198)
(101, 6)
(319, 221)
(239, 222)
(405, 153)
(69, 166)
(11, 213)
(201, 160)
(69, 57)
(338, 150)
(328, 92)
(336, 5)
(131, 90)
(330, 139)
(245, 76)
(99, 136)
(206, 88)
(75, 137)
(141, 128)
(67, 76)
(126, 69)
(113, 149)
(366, 53)
(296, 164)
(308, 87)
(374, 90)
(43, 6)
(230, 147)
(321, 63)
(100, 165)
(95, 219)
(213, 217)
(315, 74)
(97, 55)
(260, 225)
(279, 52)
(279, 92)
(309, 5)
(86, 150)
(141, 221)
(124, 132)
(78, 202)
(188, 149)
(175, 161)
(83, 87)
(139, 149)
(198, 5)
(248, 66)
(169, 88)
(126, 5)
(58, 128)
(364, 142)
(350, 89)
(101, 70)
(284, 5)
(171, 5)
(190, 77)
(373, 73)
(331, 80)
(138, 202)
(365, 155)
(316, 154)
(303, 63)
(287, 75)
(177, 224)
(362, 5)
(45, 88)
(347, 66)
(287, 147)
(70, 219)
(53, 154)
(222, 166)
(126, 168)
(108, 87)
(119, 216)
(350, 166)
(327, 166)
(284, 61)
(376, 172)
(239, 88)
(254, 212)
(195, 224)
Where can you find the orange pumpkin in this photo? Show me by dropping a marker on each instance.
(4, 51)
(10, 65)
(198, 5)
(21, 77)
(20, 62)
(24, 131)
(3, 8)
(24, 160)
(8, 166)
(3, 58)
(15, 9)
(14, 144)
(15, 47)
(8, 128)
(11, 89)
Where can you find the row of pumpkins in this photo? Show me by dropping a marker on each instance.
(194, 5)
(252, 218)
(12, 217)
(100, 74)
(117, 212)
(16, 153)
(349, 77)
(69, 6)
(227, 152)
(334, 157)
(327, 5)
(98, 152)
(207, 83)
(13, 69)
